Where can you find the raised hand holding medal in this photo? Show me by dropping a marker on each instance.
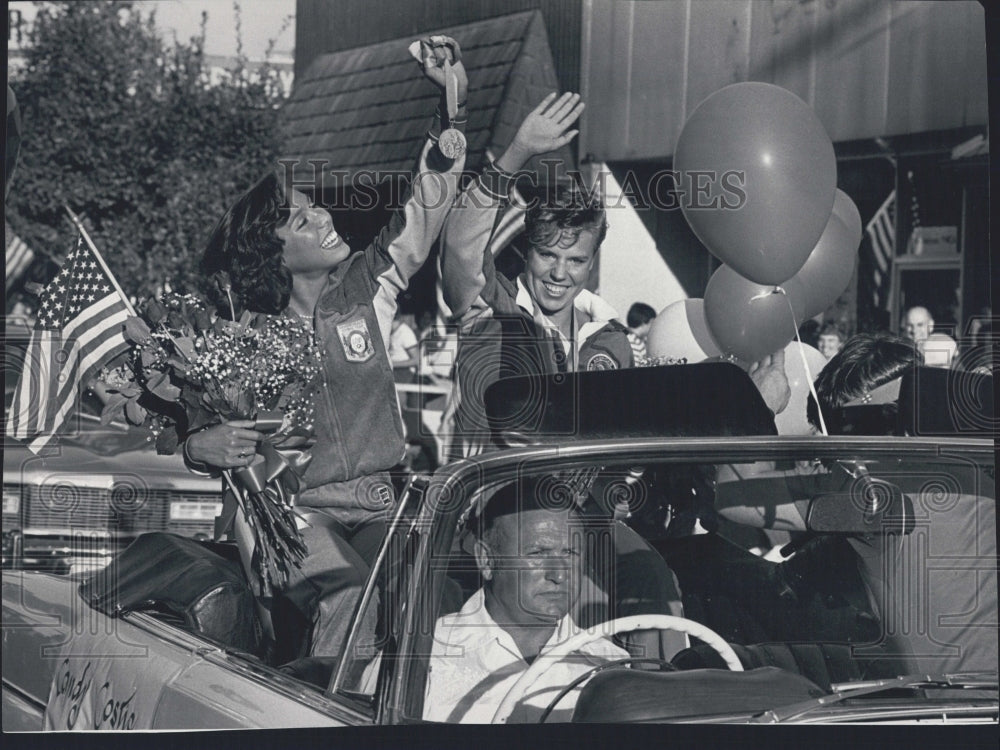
(451, 141)
(441, 61)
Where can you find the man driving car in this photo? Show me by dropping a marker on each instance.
(529, 553)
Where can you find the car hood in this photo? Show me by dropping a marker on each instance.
(104, 450)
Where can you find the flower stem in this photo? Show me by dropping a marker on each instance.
(170, 336)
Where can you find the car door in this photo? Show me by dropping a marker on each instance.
(83, 670)
(366, 678)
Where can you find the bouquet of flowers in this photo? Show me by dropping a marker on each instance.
(189, 369)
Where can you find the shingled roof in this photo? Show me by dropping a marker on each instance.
(369, 108)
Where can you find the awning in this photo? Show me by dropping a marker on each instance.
(369, 108)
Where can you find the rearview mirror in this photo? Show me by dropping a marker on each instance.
(872, 506)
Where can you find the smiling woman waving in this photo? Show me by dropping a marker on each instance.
(283, 257)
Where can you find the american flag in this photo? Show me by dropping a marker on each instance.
(18, 258)
(882, 236)
(78, 329)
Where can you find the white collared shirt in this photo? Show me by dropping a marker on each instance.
(475, 662)
(587, 306)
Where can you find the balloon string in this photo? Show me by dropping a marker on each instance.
(805, 363)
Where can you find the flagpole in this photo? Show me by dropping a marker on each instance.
(93, 248)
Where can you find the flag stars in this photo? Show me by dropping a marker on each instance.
(79, 284)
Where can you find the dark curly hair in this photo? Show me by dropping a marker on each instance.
(245, 246)
(639, 314)
(560, 218)
(865, 362)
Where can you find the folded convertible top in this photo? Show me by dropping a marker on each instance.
(698, 400)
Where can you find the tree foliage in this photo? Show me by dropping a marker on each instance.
(126, 129)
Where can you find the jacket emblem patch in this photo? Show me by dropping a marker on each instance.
(601, 361)
(356, 340)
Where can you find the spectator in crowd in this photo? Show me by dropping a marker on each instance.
(282, 256)
(918, 324)
(938, 349)
(403, 342)
(425, 324)
(830, 340)
(530, 556)
(640, 317)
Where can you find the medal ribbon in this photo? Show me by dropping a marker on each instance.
(450, 92)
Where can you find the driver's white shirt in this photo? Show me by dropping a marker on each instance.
(475, 662)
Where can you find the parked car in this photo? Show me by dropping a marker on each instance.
(94, 490)
(843, 631)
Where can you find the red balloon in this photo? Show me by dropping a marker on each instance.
(769, 182)
(829, 267)
(749, 320)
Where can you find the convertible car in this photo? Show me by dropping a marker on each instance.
(91, 492)
(880, 605)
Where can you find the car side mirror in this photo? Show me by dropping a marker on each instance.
(872, 506)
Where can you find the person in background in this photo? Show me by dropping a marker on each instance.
(938, 349)
(830, 340)
(917, 324)
(640, 317)
(403, 343)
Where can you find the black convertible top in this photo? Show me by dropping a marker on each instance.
(707, 399)
(938, 401)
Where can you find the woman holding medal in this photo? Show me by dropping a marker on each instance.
(283, 256)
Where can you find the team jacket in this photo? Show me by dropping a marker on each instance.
(359, 430)
(503, 333)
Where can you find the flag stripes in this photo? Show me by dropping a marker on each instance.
(80, 327)
(87, 361)
(18, 257)
(882, 237)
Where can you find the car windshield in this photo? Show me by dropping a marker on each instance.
(816, 567)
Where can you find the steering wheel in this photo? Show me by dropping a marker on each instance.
(607, 629)
(662, 663)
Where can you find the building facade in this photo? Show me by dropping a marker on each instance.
(898, 86)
